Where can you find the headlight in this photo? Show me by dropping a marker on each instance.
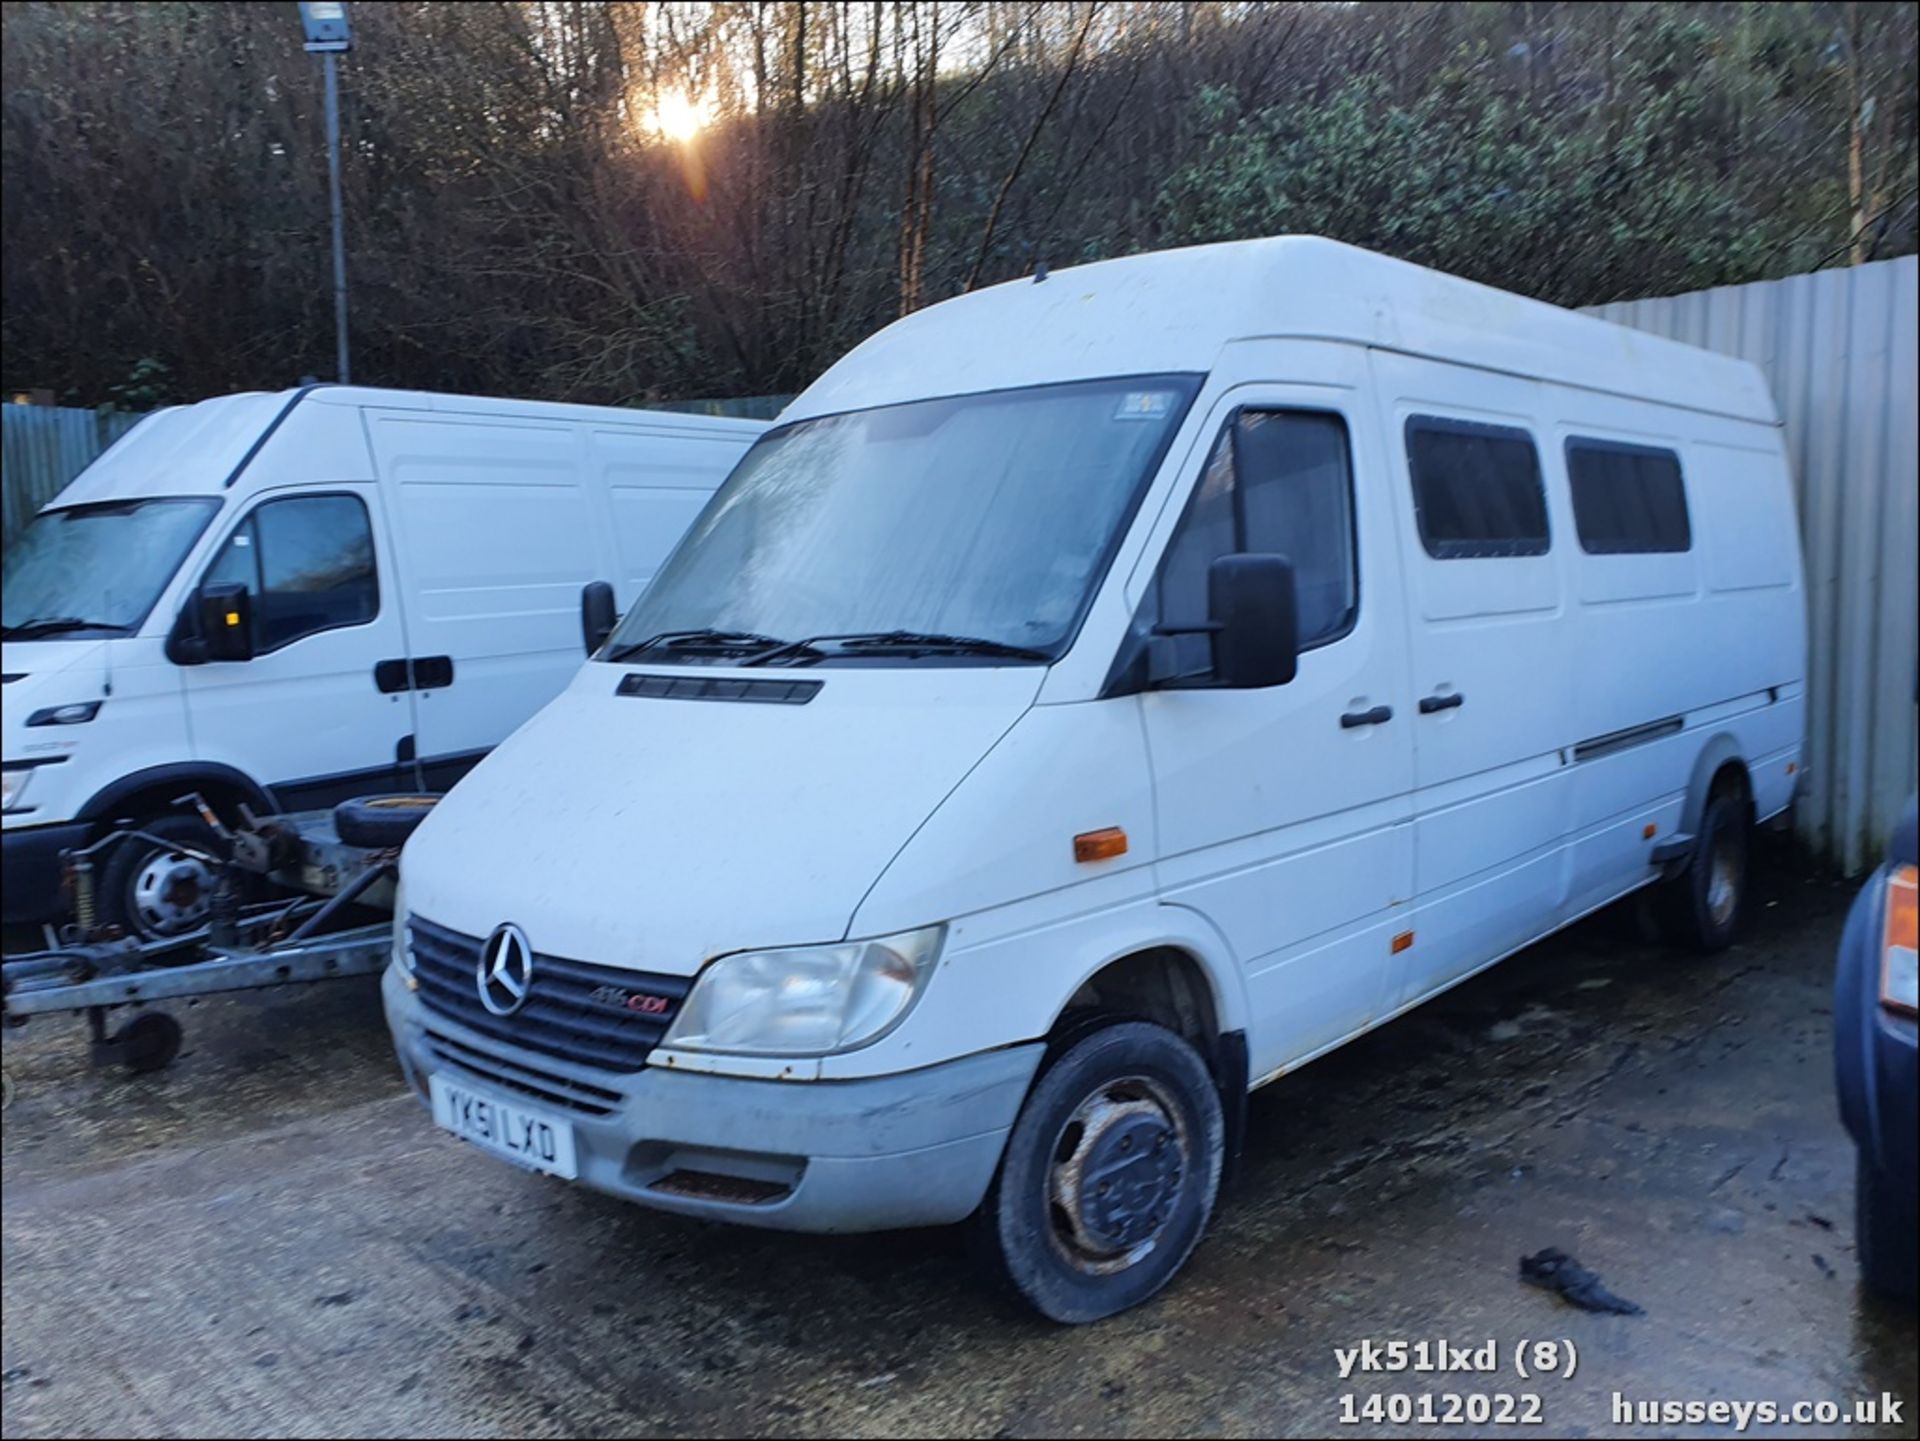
(78, 713)
(13, 785)
(1899, 975)
(402, 936)
(808, 1001)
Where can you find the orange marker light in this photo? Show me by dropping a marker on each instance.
(1101, 845)
(1899, 939)
(233, 617)
(1647, 832)
(1402, 941)
(1791, 767)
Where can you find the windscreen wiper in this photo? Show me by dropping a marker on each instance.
(912, 642)
(55, 625)
(718, 641)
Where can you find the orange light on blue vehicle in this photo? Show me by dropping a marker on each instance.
(1899, 958)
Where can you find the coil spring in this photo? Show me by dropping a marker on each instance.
(83, 910)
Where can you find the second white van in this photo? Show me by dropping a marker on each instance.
(284, 600)
(1101, 695)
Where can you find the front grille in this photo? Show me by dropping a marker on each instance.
(574, 1010)
(543, 1085)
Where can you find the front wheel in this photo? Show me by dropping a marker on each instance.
(1109, 1175)
(1883, 1232)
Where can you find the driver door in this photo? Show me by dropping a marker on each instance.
(307, 716)
(1284, 813)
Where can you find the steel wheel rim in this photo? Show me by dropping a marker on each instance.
(171, 892)
(1723, 884)
(1115, 1173)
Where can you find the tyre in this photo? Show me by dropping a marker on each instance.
(380, 822)
(1704, 906)
(1883, 1232)
(150, 1042)
(155, 889)
(1109, 1174)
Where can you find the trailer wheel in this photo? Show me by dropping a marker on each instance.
(152, 891)
(149, 1042)
(378, 822)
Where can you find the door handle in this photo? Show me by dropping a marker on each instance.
(1431, 703)
(1379, 715)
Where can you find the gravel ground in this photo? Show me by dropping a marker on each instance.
(270, 1238)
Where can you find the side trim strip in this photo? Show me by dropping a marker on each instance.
(1613, 741)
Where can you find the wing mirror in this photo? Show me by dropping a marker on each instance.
(597, 616)
(1253, 619)
(226, 620)
(1255, 612)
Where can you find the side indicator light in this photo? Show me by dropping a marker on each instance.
(1900, 942)
(1101, 845)
(1402, 941)
(233, 617)
(1647, 832)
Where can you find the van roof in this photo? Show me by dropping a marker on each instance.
(197, 449)
(1174, 310)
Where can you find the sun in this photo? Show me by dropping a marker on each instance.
(680, 116)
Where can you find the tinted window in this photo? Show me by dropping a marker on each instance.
(1278, 482)
(308, 561)
(1627, 499)
(1476, 489)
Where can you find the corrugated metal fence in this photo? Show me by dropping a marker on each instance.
(1839, 347)
(44, 447)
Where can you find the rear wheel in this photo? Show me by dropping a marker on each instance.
(157, 888)
(1109, 1175)
(1884, 1232)
(1705, 904)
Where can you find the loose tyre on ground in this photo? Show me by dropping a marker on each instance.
(1109, 1175)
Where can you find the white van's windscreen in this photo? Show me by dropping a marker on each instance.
(967, 528)
(96, 569)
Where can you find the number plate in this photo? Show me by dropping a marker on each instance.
(520, 1134)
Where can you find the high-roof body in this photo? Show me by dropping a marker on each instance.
(199, 449)
(1174, 310)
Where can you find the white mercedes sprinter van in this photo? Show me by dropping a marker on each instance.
(405, 572)
(1097, 697)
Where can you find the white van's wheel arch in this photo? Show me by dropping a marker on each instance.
(1166, 984)
(1720, 754)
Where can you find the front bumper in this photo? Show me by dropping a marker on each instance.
(1876, 1053)
(914, 1149)
(30, 871)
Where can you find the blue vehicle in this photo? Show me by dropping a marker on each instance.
(1874, 1003)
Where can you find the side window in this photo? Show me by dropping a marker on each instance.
(1277, 482)
(238, 561)
(1627, 499)
(308, 561)
(1476, 489)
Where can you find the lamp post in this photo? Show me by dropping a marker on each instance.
(325, 22)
